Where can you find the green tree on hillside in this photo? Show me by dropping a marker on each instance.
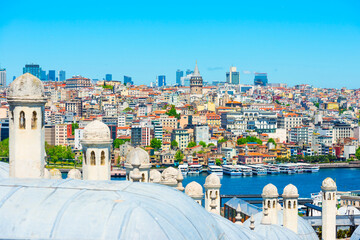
(73, 127)
(191, 144)
(117, 142)
(172, 112)
(179, 156)
(202, 144)
(249, 139)
(174, 144)
(271, 140)
(357, 153)
(4, 148)
(155, 143)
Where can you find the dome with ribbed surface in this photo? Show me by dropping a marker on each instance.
(76, 209)
(328, 184)
(290, 191)
(194, 189)
(212, 180)
(96, 131)
(138, 154)
(270, 191)
(26, 86)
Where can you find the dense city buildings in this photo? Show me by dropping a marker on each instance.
(77, 82)
(3, 77)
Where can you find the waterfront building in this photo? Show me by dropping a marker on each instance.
(260, 79)
(3, 77)
(33, 69)
(342, 130)
(161, 81)
(233, 77)
(196, 82)
(62, 76)
(77, 83)
(301, 134)
(179, 75)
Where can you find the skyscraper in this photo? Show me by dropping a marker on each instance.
(233, 77)
(51, 75)
(43, 75)
(189, 72)
(260, 79)
(179, 74)
(3, 77)
(62, 75)
(108, 77)
(161, 81)
(127, 80)
(196, 82)
(34, 69)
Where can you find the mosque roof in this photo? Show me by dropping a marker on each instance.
(275, 232)
(4, 170)
(76, 209)
(356, 234)
(305, 230)
(26, 86)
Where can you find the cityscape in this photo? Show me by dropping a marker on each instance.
(226, 121)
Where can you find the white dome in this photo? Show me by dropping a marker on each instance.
(4, 170)
(138, 154)
(212, 180)
(95, 131)
(55, 174)
(275, 232)
(47, 173)
(356, 234)
(74, 174)
(194, 189)
(169, 175)
(305, 230)
(270, 191)
(328, 184)
(155, 176)
(290, 191)
(26, 86)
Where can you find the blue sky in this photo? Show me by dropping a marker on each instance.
(314, 42)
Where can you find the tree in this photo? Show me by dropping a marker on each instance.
(210, 144)
(155, 143)
(174, 144)
(191, 144)
(202, 144)
(317, 104)
(58, 152)
(271, 140)
(73, 127)
(117, 142)
(172, 112)
(4, 148)
(222, 140)
(179, 156)
(248, 139)
(357, 153)
(218, 162)
(128, 109)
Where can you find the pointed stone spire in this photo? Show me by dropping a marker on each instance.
(252, 222)
(179, 180)
(238, 215)
(266, 220)
(196, 71)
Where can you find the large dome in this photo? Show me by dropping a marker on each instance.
(96, 130)
(275, 232)
(4, 170)
(26, 86)
(305, 230)
(76, 209)
(356, 234)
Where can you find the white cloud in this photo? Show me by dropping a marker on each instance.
(247, 72)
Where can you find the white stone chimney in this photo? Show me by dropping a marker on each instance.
(212, 189)
(329, 209)
(270, 201)
(290, 196)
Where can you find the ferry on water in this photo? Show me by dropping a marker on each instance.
(215, 169)
(272, 169)
(195, 169)
(184, 168)
(245, 170)
(310, 168)
(258, 170)
(232, 170)
(287, 168)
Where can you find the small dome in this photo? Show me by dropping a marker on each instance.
(212, 180)
(290, 191)
(26, 86)
(55, 174)
(328, 184)
(138, 154)
(194, 189)
(169, 175)
(270, 191)
(74, 174)
(155, 176)
(96, 130)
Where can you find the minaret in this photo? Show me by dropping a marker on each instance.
(96, 149)
(290, 196)
(329, 209)
(270, 201)
(212, 193)
(26, 127)
(196, 82)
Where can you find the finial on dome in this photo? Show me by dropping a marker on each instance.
(238, 215)
(252, 222)
(266, 220)
(179, 180)
(55, 174)
(74, 174)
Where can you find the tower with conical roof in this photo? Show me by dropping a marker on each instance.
(196, 82)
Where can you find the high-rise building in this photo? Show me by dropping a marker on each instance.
(179, 74)
(196, 82)
(188, 72)
(233, 77)
(43, 75)
(108, 77)
(127, 80)
(51, 75)
(2, 77)
(260, 79)
(62, 75)
(161, 81)
(34, 69)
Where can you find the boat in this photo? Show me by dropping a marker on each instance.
(310, 168)
(195, 169)
(287, 168)
(215, 169)
(258, 170)
(232, 170)
(245, 170)
(272, 169)
(184, 168)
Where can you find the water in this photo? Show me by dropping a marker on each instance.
(307, 183)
